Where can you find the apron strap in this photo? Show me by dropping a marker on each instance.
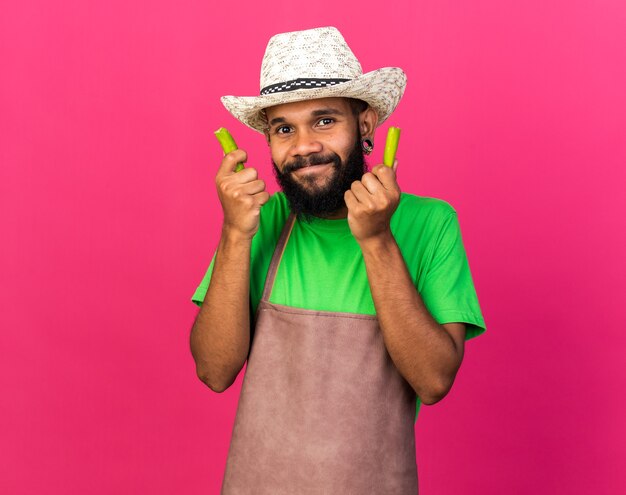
(276, 257)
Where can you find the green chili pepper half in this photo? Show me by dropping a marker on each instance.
(228, 144)
(391, 146)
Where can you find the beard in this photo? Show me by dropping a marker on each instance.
(312, 200)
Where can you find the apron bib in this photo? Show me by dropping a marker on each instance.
(323, 409)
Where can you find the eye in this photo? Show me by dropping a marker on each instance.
(325, 121)
(283, 129)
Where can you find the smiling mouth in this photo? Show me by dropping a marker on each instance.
(312, 169)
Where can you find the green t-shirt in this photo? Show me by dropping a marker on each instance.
(322, 267)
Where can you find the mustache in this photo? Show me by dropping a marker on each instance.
(317, 159)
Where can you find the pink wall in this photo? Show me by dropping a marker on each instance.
(514, 113)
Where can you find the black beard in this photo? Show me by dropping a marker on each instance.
(323, 201)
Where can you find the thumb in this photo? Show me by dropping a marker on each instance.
(395, 165)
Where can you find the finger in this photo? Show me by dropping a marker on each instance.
(262, 197)
(395, 166)
(350, 199)
(386, 176)
(248, 174)
(254, 187)
(371, 183)
(361, 194)
(230, 161)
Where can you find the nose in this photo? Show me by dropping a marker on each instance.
(305, 143)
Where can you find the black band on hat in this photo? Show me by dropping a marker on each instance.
(307, 83)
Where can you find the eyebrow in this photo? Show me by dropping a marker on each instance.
(314, 113)
(326, 111)
(277, 120)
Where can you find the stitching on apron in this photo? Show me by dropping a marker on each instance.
(277, 257)
(303, 311)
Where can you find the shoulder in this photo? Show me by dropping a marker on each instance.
(431, 205)
(419, 221)
(422, 210)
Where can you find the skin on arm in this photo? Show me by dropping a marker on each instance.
(427, 354)
(220, 336)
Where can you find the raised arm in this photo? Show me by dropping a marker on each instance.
(220, 336)
(427, 354)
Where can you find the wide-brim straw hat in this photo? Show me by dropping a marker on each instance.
(315, 63)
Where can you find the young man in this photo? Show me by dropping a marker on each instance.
(349, 299)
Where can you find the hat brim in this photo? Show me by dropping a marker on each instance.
(381, 89)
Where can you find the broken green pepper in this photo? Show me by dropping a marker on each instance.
(228, 144)
(391, 146)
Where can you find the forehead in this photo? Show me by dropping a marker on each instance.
(307, 107)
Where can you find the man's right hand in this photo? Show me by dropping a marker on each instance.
(241, 193)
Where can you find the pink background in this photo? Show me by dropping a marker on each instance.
(514, 113)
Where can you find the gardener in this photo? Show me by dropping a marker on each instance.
(350, 300)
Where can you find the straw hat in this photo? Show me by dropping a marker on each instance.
(315, 63)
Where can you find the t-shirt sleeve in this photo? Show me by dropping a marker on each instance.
(198, 295)
(448, 289)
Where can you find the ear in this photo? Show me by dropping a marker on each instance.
(368, 120)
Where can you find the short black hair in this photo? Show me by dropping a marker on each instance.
(358, 106)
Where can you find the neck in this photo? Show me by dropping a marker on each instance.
(336, 215)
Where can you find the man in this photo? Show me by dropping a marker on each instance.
(350, 300)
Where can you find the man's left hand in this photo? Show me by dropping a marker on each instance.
(371, 202)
